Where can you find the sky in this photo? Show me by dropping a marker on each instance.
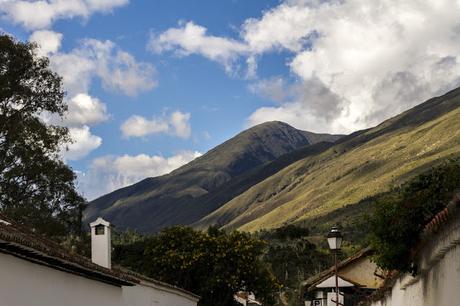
(151, 85)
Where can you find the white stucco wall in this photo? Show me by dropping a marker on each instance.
(101, 245)
(438, 281)
(23, 283)
(145, 295)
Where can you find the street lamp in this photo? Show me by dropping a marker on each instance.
(334, 239)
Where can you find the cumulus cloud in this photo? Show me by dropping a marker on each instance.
(308, 105)
(138, 126)
(109, 173)
(117, 69)
(191, 38)
(176, 123)
(273, 89)
(83, 143)
(180, 124)
(85, 110)
(82, 110)
(48, 41)
(382, 59)
(288, 26)
(374, 59)
(43, 13)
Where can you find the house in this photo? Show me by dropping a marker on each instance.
(358, 277)
(436, 277)
(36, 271)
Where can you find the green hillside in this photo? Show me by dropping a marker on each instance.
(358, 166)
(198, 188)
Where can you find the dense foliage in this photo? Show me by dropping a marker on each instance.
(212, 264)
(36, 187)
(400, 215)
(292, 259)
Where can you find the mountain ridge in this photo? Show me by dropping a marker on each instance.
(174, 198)
(272, 174)
(356, 166)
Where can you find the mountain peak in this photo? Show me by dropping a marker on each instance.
(159, 197)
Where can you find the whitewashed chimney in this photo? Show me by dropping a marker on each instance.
(101, 245)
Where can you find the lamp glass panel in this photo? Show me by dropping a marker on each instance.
(332, 241)
(339, 242)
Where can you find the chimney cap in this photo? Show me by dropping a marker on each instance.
(100, 221)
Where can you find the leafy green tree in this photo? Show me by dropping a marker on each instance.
(400, 215)
(213, 264)
(36, 187)
(292, 259)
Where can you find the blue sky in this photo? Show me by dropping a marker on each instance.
(153, 84)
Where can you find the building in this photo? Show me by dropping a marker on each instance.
(36, 271)
(436, 279)
(358, 277)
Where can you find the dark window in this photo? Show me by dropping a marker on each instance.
(100, 229)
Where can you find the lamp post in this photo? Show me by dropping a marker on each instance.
(334, 239)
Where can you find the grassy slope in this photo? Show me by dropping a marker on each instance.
(362, 165)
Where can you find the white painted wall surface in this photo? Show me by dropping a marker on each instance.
(143, 295)
(101, 245)
(23, 283)
(438, 283)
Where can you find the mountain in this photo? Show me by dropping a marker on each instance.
(193, 191)
(356, 167)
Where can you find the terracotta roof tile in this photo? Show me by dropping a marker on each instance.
(21, 242)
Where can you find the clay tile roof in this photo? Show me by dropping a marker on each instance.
(21, 242)
(442, 217)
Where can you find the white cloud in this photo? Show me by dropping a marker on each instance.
(118, 70)
(177, 123)
(85, 110)
(375, 59)
(273, 89)
(75, 69)
(192, 39)
(42, 14)
(82, 110)
(48, 41)
(382, 59)
(307, 105)
(284, 27)
(138, 126)
(180, 124)
(83, 143)
(109, 173)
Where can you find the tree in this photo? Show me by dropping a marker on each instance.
(36, 187)
(215, 264)
(400, 215)
(292, 259)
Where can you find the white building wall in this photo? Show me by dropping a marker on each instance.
(101, 245)
(438, 281)
(23, 283)
(145, 295)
